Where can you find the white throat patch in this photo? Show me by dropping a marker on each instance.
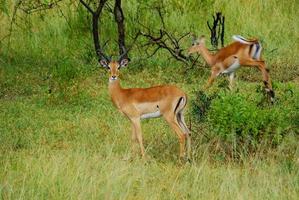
(112, 79)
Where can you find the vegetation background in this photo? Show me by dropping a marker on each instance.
(61, 137)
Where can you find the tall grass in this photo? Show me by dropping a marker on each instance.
(90, 175)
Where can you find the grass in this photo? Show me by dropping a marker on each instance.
(72, 148)
(84, 174)
(61, 137)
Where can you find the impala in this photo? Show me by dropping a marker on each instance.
(142, 103)
(241, 52)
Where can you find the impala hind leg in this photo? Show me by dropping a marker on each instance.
(171, 119)
(266, 78)
(183, 126)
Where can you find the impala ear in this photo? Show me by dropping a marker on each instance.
(104, 63)
(124, 62)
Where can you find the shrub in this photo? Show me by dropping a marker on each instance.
(241, 125)
(201, 105)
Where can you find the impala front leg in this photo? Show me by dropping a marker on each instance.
(134, 140)
(215, 72)
(138, 134)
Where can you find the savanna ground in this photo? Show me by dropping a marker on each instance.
(61, 137)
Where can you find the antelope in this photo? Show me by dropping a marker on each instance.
(141, 103)
(242, 52)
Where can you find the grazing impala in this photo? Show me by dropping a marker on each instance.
(141, 103)
(228, 59)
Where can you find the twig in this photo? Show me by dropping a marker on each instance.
(87, 6)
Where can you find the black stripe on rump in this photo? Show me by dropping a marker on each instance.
(178, 104)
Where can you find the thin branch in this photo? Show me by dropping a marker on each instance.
(109, 8)
(163, 39)
(39, 7)
(65, 18)
(87, 6)
(119, 18)
(159, 9)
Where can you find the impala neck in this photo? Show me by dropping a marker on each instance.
(114, 87)
(207, 56)
(114, 90)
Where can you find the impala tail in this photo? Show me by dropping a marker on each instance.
(243, 40)
(179, 114)
(255, 46)
(181, 121)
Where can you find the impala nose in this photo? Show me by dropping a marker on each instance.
(113, 77)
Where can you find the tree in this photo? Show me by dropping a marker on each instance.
(119, 18)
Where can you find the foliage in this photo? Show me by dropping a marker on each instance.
(3, 6)
(243, 125)
(201, 105)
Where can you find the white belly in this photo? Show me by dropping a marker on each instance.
(151, 115)
(232, 68)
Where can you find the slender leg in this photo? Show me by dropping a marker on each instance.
(183, 126)
(134, 139)
(261, 66)
(214, 74)
(170, 118)
(231, 80)
(138, 134)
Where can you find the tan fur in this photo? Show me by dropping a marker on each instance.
(225, 57)
(134, 102)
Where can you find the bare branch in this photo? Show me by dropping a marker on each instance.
(159, 10)
(37, 6)
(87, 6)
(164, 39)
(217, 30)
(109, 8)
(95, 27)
(119, 18)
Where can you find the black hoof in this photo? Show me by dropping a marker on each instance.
(272, 94)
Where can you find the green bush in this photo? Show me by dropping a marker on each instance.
(243, 125)
(201, 105)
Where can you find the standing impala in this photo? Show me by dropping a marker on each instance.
(141, 103)
(241, 52)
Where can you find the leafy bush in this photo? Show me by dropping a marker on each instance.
(201, 105)
(242, 125)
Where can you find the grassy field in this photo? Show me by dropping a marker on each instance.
(61, 137)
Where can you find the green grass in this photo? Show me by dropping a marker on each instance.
(84, 174)
(62, 138)
(54, 148)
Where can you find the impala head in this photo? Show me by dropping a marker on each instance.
(197, 43)
(114, 66)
